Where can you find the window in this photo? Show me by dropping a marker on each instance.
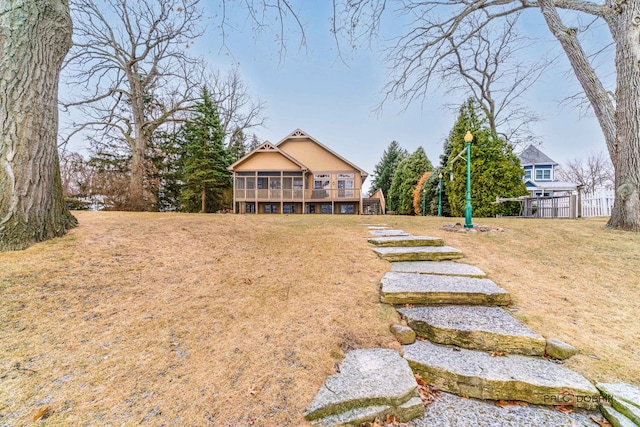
(249, 208)
(321, 188)
(543, 174)
(325, 209)
(527, 174)
(311, 209)
(271, 208)
(289, 208)
(347, 209)
(345, 188)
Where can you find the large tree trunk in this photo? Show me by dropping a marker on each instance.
(34, 38)
(620, 123)
(625, 152)
(136, 201)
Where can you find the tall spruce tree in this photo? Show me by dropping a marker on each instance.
(404, 181)
(237, 145)
(495, 170)
(386, 168)
(204, 166)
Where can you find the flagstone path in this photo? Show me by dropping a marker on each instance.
(467, 346)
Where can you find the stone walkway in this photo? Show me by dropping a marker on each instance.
(467, 346)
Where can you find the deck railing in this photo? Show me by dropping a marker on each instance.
(310, 195)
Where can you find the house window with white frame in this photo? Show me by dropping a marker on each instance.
(543, 174)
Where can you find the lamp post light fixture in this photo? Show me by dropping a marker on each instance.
(468, 209)
(424, 202)
(440, 194)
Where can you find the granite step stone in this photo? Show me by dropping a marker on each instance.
(444, 268)
(625, 398)
(387, 233)
(482, 376)
(371, 383)
(418, 253)
(406, 241)
(427, 289)
(615, 418)
(450, 410)
(474, 327)
(621, 391)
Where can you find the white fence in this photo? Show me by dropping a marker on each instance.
(598, 203)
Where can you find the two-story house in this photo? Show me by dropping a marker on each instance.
(540, 174)
(295, 176)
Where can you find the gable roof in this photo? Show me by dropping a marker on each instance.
(267, 147)
(532, 156)
(299, 134)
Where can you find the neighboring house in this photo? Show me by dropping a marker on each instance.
(374, 204)
(297, 175)
(539, 174)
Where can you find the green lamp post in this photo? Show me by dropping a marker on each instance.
(468, 209)
(440, 194)
(424, 202)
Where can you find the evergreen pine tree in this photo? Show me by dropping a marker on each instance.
(386, 168)
(404, 181)
(204, 167)
(253, 144)
(237, 145)
(165, 156)
(495, 169)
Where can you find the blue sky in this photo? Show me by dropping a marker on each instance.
(311, 89)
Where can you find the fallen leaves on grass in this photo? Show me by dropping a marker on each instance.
(43, 413)
(427, 393)
(497, 353)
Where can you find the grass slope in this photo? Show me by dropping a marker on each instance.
(228, 320)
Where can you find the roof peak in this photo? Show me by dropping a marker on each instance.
(533, 156)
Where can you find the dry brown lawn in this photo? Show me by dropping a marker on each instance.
(229, 320)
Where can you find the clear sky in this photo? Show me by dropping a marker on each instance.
(312, 89)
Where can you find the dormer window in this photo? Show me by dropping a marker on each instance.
(543, 174)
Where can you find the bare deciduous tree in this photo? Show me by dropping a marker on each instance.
(238, 110)
(490, 68)
(419, 52)
(131, 66)
(593, 172)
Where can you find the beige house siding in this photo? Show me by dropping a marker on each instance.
(267, 162)
(313, 156)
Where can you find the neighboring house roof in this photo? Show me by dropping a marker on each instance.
(267, 147)
(300, 134)
(551, 185)
(532, 156)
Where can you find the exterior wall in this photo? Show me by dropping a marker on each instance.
(313, 156)
(267, 162)
(532, 170)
